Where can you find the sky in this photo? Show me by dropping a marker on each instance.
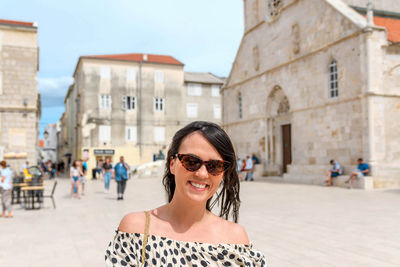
(204, 35)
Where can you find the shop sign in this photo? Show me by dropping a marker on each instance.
(104, 151)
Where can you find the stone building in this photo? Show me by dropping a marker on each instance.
(132, 104)
(19, 98)
(50, 143)
(63, 153)
(315, 80)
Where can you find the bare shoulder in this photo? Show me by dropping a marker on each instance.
(238, 233)
(133, 223)
(233, 233)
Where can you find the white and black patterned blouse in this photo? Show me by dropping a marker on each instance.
(126, 248)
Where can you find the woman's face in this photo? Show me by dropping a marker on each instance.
(199, 185)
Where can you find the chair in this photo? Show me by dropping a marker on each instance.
(52, 194)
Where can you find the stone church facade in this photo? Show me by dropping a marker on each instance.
(315, 80)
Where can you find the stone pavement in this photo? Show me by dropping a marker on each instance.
(293, 225)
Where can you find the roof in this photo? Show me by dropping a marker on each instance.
(387, 19)
(203, 77)
(17, 23)
(392, 26)
(163, 59)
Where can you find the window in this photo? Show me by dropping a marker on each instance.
(128, 103)
(158, 104)
(159, 134)
(217, 111)
(333, 80)
(104, 133)
(191, 110)
(159, 76)
(130, 133)
(105, 102)
(194, 89)
(240, 110)
(105, 72)
(131, 74)
(215, 90)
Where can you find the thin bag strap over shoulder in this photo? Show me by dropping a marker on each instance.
(145, 237)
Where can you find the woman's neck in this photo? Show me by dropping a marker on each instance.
(183, 214)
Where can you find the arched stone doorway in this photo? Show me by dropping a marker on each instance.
(278, 132)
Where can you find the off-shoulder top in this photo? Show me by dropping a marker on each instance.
(126, 249)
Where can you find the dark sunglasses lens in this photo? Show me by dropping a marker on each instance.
(215, 167)
(191, 163)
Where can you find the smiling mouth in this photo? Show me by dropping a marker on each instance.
(198, 186)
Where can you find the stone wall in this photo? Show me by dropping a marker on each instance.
(19, 96)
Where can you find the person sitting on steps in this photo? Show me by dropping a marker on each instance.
(334, 172)
(362, 170)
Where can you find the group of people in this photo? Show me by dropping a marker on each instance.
(245, 167)
(49, 168)
(337, 170)
(120, 172)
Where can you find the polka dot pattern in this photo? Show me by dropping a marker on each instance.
(126, 250)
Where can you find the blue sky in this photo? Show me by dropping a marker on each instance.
(204, 35)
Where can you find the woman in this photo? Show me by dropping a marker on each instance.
(5, 189)
(75, 173)
(107, 174)
(200, 161)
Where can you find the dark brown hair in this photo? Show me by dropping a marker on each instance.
(228, 196)
(3, 163)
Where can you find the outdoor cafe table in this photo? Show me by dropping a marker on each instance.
(19, 186)
(30, 192)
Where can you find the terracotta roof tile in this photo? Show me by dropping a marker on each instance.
(139, 57)
(19, 23)
(392, 26)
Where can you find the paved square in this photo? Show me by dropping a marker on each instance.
(293, 225)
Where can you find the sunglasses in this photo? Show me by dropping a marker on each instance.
(193, 163)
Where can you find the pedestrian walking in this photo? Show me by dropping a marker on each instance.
(5, 189)
(75, 173)
(107, 174)
(83, 176)
(121, 176)
(249, 169)
(201, 161)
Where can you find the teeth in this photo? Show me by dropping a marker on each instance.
(200, 186)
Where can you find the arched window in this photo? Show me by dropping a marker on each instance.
(333, 80)
(240, 106)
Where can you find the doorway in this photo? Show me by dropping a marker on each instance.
(287, 146)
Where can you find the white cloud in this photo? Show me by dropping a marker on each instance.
(54, 87)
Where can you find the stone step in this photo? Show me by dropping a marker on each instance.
(365, 183)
